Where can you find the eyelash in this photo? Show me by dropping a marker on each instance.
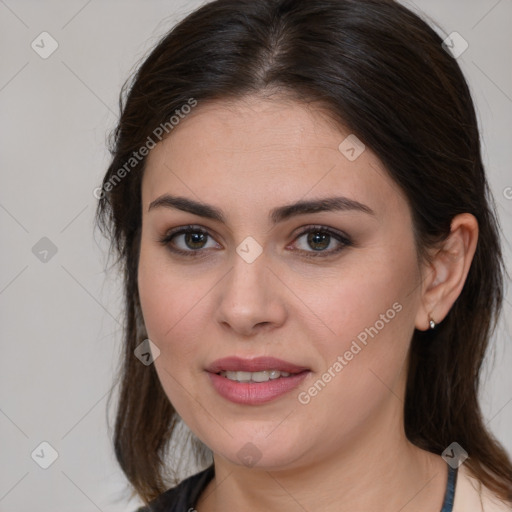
(341, 238)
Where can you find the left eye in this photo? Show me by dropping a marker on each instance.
(320, 238)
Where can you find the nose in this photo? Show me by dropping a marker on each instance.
(251, 298)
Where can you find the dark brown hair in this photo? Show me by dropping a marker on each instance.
(382, 72)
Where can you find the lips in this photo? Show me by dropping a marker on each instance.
(258, 364)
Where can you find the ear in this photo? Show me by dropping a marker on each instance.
(445, 275)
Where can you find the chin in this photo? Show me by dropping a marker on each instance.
(260, 452)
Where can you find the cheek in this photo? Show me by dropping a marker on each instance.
(370, 316)
(169, 303)
(370, 298)
(160, 308)
(172, 302)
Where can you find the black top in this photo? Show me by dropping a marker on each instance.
(184, 496)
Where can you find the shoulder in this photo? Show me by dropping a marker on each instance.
(182, 497)
(472, 496)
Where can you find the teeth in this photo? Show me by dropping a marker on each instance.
(263, 376)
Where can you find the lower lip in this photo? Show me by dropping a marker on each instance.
(253, 393)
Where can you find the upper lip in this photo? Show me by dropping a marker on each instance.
(237, 364)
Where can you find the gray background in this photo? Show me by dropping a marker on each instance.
(60, 319)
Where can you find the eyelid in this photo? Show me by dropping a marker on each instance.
(322, 228)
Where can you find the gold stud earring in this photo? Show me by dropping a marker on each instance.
(431, 323)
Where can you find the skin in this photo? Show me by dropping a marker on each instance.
(346, 449)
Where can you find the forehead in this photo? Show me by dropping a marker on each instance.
(261, 148)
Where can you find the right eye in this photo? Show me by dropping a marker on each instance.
(187, 240)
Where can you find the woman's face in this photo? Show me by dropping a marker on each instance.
(340, 301)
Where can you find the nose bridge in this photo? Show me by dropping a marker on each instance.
(248, 296)
(247, 279)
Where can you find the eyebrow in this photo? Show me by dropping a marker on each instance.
(279, 214)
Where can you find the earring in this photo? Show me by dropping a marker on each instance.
(432, 324)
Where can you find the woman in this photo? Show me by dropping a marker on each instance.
(312, 264)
